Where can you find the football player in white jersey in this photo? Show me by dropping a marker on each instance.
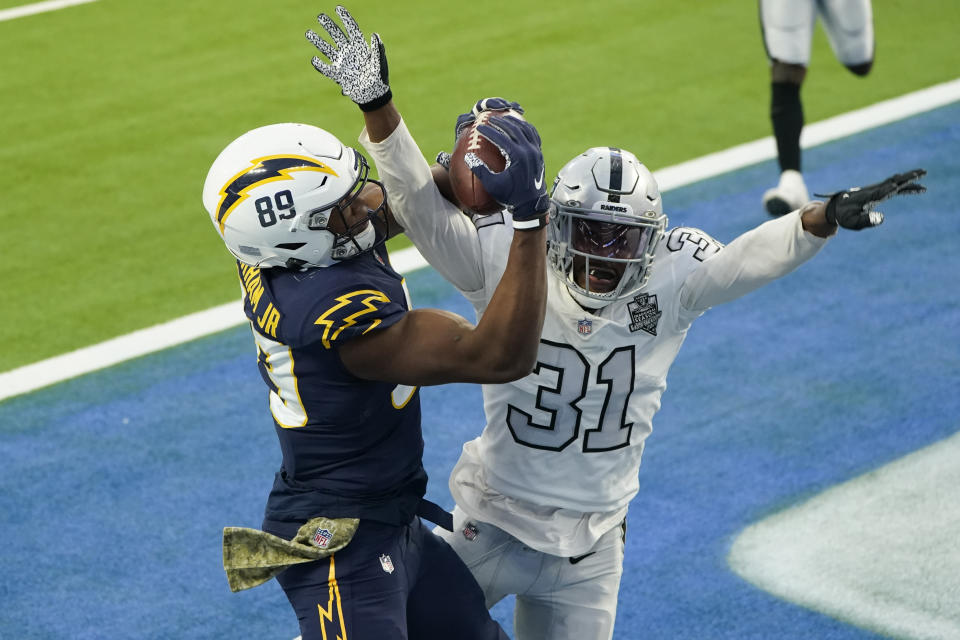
(542, 494)
(787, 33)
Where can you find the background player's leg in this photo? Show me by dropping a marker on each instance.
(786, 116)
(849, 27)
(787, 27)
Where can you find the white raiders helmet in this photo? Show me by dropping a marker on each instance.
(607, 224)
(272, 192)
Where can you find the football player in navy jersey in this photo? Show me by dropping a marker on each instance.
(342, 355)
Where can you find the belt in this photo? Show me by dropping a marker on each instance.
(435, 514)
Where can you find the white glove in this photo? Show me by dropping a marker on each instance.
(359, 69)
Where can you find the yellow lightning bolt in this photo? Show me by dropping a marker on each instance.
(272, 169)
(327, 614)
(372, 296)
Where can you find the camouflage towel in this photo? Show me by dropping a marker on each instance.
(252, 557)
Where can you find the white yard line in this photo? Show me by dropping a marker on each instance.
(46, 372)
(815, 134)
(168, 334)
(38, 7)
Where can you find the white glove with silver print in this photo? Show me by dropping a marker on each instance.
(359, 68)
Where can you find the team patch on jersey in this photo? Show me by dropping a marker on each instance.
(386, 563)
(322, 538)
(644, 313)
(584, 326)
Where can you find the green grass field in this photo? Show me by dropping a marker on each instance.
(113, 112)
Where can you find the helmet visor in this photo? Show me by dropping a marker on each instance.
(610, 240)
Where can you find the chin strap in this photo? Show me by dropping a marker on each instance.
(581, 298)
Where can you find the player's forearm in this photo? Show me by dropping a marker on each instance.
(509, 331)
(381, 122)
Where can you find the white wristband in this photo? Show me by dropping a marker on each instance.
(531, 225)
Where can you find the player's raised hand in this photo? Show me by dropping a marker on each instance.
(360, 69)
(520, 185)
(854, 208)
(464, 120)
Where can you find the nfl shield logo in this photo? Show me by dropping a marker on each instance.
(386, 563)
(322, 538)
(584, 326)
(470, 532)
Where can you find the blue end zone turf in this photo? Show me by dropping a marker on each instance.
(116, 485)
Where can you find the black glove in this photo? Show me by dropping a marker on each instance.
(853, 208)
(520, 186)
(359, 69)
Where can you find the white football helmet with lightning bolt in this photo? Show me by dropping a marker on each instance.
(272, 192)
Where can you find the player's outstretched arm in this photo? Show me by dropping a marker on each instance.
(777, 247)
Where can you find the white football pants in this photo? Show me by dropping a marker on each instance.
(558, 598)
(788, 29)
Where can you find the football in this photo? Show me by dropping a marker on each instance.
(467, 188)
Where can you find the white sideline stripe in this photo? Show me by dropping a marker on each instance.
(139, 343)
(46, 372)
(38, 7)
(840, 126)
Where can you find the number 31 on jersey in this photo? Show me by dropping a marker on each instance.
(565, 384)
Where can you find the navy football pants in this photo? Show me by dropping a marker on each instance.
(389, 582)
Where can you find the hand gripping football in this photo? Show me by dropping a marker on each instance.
(467, 188)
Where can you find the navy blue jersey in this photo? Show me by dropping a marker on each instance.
(351, 447)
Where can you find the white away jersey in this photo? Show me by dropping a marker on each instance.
(557, 463)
